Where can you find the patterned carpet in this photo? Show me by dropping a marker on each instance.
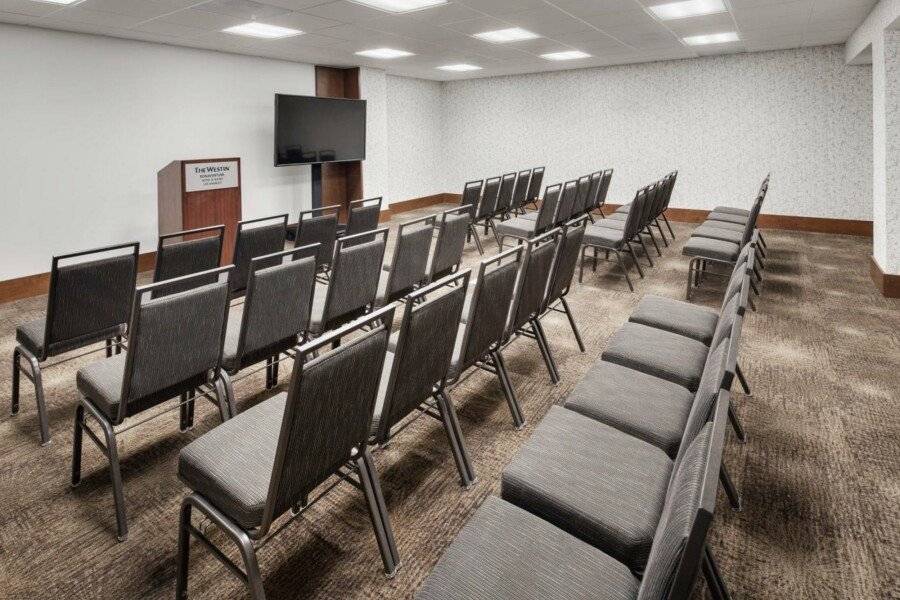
(820, 472)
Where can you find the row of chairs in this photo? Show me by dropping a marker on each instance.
(716, 243)
(494, 199)
(613, 495)
(630, 224)
(561, 203)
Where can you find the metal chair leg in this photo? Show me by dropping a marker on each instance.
(661, 233)
(115, 474)
(624, 270)
(454, 436)
(734, 498)
(580, 280)
(634, 258)
(36, 378)
(184, 551)
(474, 234)
(666, 220)
(229, 393)
(545, 350)
(572, 324)
(717, 587)
(14, 400)
(742, 379)
(77, 445)
(384, 537)
(640, 238)
(736, 423)
(109, 348)
(508, 391)
(653, 239)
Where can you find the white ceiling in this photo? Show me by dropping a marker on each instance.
(612, 31)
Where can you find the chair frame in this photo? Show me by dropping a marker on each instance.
(534, 186)
(553, 304)
(539, 227)
(439, 233)
(395, 254)
(34, 372)
(353, 209)
(253, 224)
(220, 234)
(325, 266)
(485, 209)
(641, 197)
(522, 179)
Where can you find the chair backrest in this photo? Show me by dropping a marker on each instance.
(534, 184)
(90, 292)
(318, 226)
(256, 237)
(488, 201)
(328, 411)
(520, 191)
(471, 193)
(452, 228)
(278, 304)
(593, 190)
(356, 269)
(547, 212)
(739, 281)
(581, 197)
(491, 303)
(409, 265)
(673, 176)
(649, 204)
(567, 258)
(424, 348)
(363, 217)
(504, 196)
(715, 377)
(751, 221)
(604, 188)
(633, 223)
(566, 202)
(680, 537)
(187, 252)
(174, 341)
(540, 253)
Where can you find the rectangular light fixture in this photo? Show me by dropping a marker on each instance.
(400, 6)
(567, 55)
(262, 30)
(58, 1)
(688, 8)
(460, 68)
(384, 53)
(501, 36)
(712, 38)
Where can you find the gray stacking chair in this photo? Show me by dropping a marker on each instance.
(615, 240)
(507, 552)
(564, 271)
(408, 267)
(362, 216)
(540, 256)
(504, 200)
(582, 194)
(590, 200)
(353, 285)
(600, 202)
(534, 186)
(413, 380)
(89, 301)
(523, 227)
(255, 237)
(450, 242)
(275, 314)
(485, 209)
(248, 472)
(707, 252)
(319, 226)
(486, 317)
(651, 206)
(188, 252)
(471, 194)
(174, 347)
(566, 202)
(520, 193)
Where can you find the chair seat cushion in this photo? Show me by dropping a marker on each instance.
(709, 230)
(730, 210)
(709, 248)
(31, 336)
(726, 225)
(518, 227)
(592, 480)
(531, 216)
(677, 316)
(619, 215)
(101, 383)
(603, 237)
(231, 464)
(657, 352)
(727, 217)
(506, 553)
(649, 408)
(610, 223)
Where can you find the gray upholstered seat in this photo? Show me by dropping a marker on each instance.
(727, 217)
(520, 227)
(730, 210)
(710, 230)
(592, 480)
(709, 248)
(610, 223)
(677, 316)
(101, 382)
(619, 215)
(660, 353)
(31, 336)
(603, 236)
(649, 408)
(727, 225)
(504, 552)
(231, 465)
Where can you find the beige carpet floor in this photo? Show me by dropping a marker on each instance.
(820, 472)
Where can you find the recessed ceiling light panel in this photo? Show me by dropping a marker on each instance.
(400, 6)
(688, 8)
(501, 36)
(263, 31)
(58, 1)
(712, 38)
(567, 55)
(460, 68)
(384, 53)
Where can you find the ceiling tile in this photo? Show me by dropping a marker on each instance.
(548, 21)
(28, 7)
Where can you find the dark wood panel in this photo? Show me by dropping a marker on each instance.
(330, 82)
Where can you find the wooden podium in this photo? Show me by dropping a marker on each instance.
(198, 193)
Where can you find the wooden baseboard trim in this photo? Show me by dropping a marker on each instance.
(417, 203)
(888, 285)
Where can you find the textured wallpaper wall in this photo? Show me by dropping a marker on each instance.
(722, 121)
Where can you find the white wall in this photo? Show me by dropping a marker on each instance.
(86, 122)
(723, 122)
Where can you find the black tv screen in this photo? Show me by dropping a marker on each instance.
(312, 130)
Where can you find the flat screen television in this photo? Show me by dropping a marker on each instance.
(310, 130)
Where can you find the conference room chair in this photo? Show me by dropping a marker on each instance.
(673, 177)
(582, 193)
(486, 315)
(507, 552)
(353, 284)
(268, 460)
(174, 347)
(741, 212)
(188, 252)
(520, 193)
(566, 205)
(413, 380)
(651, 207)
(600, 201)
(255, 237)
(319, 226)
(362, 217)
(452, 227)
(617, 241)
(590, 200)
(408, 265)
(504, 201)
(275, 315)
(472, 194)
(89, 301)
(485, 208)
(525, 228)
(534, 186)
(564, 272)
